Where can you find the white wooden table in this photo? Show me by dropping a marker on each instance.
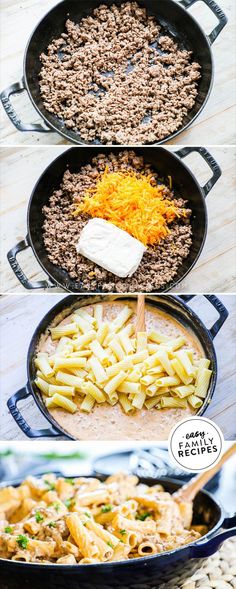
(20, 316)
(215, 270)
(215, 125)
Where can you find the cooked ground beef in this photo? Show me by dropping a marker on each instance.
(62, 230)
(117, 77)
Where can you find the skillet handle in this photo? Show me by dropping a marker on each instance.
(5, 99)
(11, 256)
(23, 425)
(215, 168)
(220, 15)
(209, 547)
(223, 312)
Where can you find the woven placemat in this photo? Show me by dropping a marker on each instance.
(218, 571)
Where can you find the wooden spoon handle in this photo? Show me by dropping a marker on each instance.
(190, 490)
(140, 319)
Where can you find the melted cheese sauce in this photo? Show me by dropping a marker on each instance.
(106, 422)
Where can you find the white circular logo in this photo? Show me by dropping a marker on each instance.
(196, 443)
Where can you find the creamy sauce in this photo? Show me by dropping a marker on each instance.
(106, 422)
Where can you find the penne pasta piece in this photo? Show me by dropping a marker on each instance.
(138, 399)
(195, 401)
(69, 363)
(98, 370)
(138, 357)
(173, 402)
(156, 371)
(148, 379)
(42, 385)
(121, 319)
(183, 391)
(62, 402)
(157, 337)
(99, 352)
(114, 383)
(82, 324)
(62, 330)
(167, 381)
(153, 390)
(102, 332)
(202, 381)
(91, 389)
(66, 391)
(81, 536)
(98, 314)
(185, 361)
(87, 403)
(125, 403)
(134, 375)
(126, 343)
(69, 379)
(85, 315)
(101, 533)
(116, 348)
(151, 402)
(176, 343)
(152, 348)
(124, 364)
(165, 362)
(64, 345)
(179, 370)
(82, 340)
(41, 362)
(129, 387)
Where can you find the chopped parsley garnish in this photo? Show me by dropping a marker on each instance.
(56, 506)
(52, 524)
(87, 514)
(51, 486)
(39, 518)
(69, 481)
(122, 532)
(143, 516)
(22, 541)
(106, 508)
(69, 502)
(110, 544)
(8, 529)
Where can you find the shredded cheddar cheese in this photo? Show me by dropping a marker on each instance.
(132, 203)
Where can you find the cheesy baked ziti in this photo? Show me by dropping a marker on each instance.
(85, 521)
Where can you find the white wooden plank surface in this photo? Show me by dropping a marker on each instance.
(215, 270)
(20, 315)
(216, 124)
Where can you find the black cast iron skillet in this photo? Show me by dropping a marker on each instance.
(163, 160)
(173, 16)
(171, 568)
(172, 305)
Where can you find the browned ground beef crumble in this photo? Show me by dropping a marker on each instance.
(62, 230)
(117, 77)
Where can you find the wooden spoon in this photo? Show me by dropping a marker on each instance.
(140, 319)
(189, 491)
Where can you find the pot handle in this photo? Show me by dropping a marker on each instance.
(11, 256)
(215, 168)
(5, 99)
(23, 425)
(223, 312)
(220, 15)
(210, 546)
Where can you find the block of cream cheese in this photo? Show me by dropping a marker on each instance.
(110, 247)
